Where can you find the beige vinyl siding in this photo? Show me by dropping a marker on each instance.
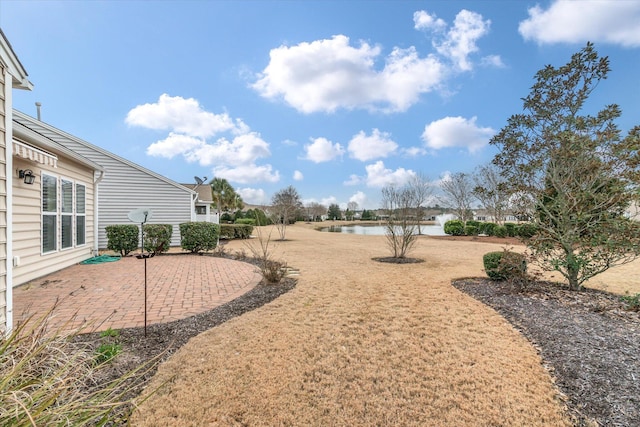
(27, 221)
(3, 203)
(125, 186)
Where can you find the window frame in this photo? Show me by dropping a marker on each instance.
(48, 213)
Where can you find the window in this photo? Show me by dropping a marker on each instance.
(63, 209)
(201, 210)
(80, 215)
(49, 213)
(66, 200)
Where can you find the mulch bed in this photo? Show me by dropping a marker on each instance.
(588, 340)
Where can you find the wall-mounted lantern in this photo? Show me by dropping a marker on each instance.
(27, 175)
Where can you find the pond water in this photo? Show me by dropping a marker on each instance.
(380, 230)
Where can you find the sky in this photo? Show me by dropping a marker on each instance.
(335, 98)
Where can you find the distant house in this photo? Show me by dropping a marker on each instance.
(12, 76)
(203, 203)
(122, 185)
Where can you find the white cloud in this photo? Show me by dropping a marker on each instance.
(456, 132)
(246, 174)
(424, 21)
(379, 176)
(328, 201)
(461, 39)
(323, 150)
(174, 144)
(298, 176)
(414, 151)
(325, 75)
(492, 61)
(364, 148)
(190, 126)
(180, 115)
(565, 21)
(252, 196)
(353, 180)
(360, 198)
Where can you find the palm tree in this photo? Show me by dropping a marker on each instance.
(223, 195)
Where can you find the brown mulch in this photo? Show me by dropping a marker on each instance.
(588, 341)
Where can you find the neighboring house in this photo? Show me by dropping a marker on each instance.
(203, 202)
(12, 76)
(125, 185)
(54, 206)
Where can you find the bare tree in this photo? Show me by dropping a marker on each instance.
(422, 191)
(457, 190)
(285, 205)
(491, 191)
(315, 210)
(351, 208)
(398, 204)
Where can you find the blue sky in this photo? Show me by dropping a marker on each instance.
(337, 98)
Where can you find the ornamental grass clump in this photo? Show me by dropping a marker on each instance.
(47, 379)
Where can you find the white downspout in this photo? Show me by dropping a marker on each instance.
(95, 212)
(8, 125)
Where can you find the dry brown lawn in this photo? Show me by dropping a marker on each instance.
(360, 343)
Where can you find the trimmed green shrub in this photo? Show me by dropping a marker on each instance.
(512, 229)
(122, 238)
(235, 231)
(500, 231)
(505, 265)
(198, 237)
(157, 237)
(454, 227)
(245, 221)
(473, 223)
(527, 230)
(489, 228)
(471, 230)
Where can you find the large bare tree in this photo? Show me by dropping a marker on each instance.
(400, 228)
(285, 205)
(457, 194)
(578, 170)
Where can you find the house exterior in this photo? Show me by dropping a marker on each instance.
(202, 203)
(12, 76)
(54, 206)
(124, 185)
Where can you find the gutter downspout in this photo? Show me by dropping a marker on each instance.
(95, 212)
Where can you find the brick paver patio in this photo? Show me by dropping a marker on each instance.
(112, 294)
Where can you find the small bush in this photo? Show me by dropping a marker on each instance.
(505, 265)
(454, 227)
(157, 237)
(235, 231)
(122, 238)
(500, 231)
(527, 231)
(471, 230)
(246, 221)
(489, 228)
(109, 347)
(632, 302)
(473, 223)
(198, 237)
(512, 229)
